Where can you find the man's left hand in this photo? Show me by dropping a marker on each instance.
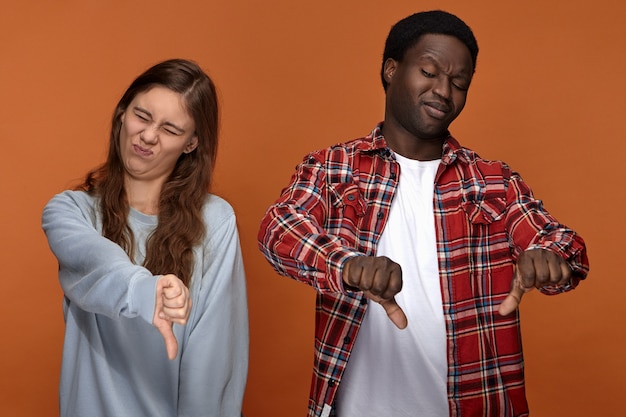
(536, 268)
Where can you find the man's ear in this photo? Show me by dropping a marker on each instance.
(390, 69)
(193, 144)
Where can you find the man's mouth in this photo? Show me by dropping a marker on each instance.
(436, 110)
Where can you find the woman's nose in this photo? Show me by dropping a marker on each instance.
(150, 134)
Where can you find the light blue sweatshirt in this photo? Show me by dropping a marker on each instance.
(114, 360)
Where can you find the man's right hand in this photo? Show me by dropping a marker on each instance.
(380, 279)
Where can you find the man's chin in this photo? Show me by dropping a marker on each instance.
(434, 134)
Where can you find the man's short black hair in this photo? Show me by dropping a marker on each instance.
(405, 34)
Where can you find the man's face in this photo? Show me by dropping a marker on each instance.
(427, 90)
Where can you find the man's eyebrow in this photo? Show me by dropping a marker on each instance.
(464, 72)
(178, 128)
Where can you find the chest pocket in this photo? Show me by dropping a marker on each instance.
(347, 210)
(487, 211)
(347, 201)
(483, 204)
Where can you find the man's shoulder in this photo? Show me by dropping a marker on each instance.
(492, 169)
(470, 156)
(344, 150)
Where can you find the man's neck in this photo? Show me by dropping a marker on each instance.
(412, 147)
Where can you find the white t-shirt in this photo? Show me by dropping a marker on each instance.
(392, 372)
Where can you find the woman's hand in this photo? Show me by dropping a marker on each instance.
(172, 305)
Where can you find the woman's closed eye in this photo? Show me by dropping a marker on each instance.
(142, 116)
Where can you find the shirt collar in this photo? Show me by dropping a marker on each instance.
(450, 152)
(374, 141)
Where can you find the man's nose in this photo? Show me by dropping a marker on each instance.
(442, 87)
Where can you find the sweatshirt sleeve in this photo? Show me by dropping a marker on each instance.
(214, 362)
(95, 273)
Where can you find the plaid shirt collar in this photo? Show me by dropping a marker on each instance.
(450, 152)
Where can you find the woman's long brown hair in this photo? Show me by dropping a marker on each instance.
(180, 227)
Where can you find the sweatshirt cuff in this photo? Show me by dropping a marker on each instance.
(142, 296)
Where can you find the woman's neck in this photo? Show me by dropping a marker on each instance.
(143, 196)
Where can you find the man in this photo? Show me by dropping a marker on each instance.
(419, 250)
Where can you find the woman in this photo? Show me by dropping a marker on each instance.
(150, 263)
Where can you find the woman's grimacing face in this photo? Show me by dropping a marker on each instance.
(156, 129)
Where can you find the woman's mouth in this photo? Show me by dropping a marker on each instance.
(142, 151)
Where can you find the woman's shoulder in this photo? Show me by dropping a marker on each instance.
(82, 199)
(217, 210)
(71, 205)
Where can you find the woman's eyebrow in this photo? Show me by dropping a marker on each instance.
(179, 129)
(173, 125)
(141, 109)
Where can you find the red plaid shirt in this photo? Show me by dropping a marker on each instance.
(335, 208)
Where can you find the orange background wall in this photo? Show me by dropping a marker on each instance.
(548, 98)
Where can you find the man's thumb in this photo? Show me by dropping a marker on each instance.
(513, 300)
(395, 313)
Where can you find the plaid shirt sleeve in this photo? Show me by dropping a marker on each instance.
(528, 217)
(292, 236)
